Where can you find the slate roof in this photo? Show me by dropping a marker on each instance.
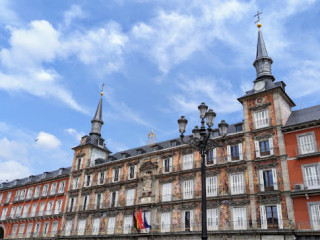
(269, 85)
(36, 178)
(304, 115)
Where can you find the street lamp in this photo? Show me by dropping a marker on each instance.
(201, 141)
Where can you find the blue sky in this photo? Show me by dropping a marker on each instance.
(158, 60)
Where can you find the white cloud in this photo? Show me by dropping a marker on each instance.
(47, 140)
(74, 12)
(11, 170)
(74, 133)
(116, 146)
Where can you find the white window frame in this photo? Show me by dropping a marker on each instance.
(130, 197)
(116, 199)
(85, 202)
(82, 226)
(41, 209)
(165, 221)
(169, 160)
(53, 188)
(19, 211)
(166, 193)
(261, 118)
(187, 161)
(62, 186)
(114, 174)
(188, 189)
(134, 171)
(229, 152)
(191, 220)
(96, 201)
(49, 208)
(111, 225)
(103, 177)
(212, 186)
(8, 197)
(148, 217)
(37, 191)
(25, 210)
(54, 228)
(312, 181)
(314, 214)
(127, 224)
(213, 219)
(29, 229)
(263, 216)
(23, 194)
(33, 209)
(45, 190)
(14, 230)
(4, 213)
(58, 206)
(95, 226)
(306, 143)
(214, 157)
(13, 211)
(1, 196)
(239, 222)
(21, 229)
(86, 182)
(237, 187)
(37, 229)
(274, 179)
(30, 192)
(75, 183)
(68, 228)
(45, 228)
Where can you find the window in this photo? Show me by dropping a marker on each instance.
(21, 230)
(187, 161)
(41, 210)
(268, 180)
(111, 225)
(23, 194)
(45, 190)
(30, 192)
(264, 147)
(238, 128)
(98, 203)
(45, 228)
(54, 228)
(212, 219)
(261, 118)
(166, 192)
(306, 143)
(234, 152)
(25, 210)
(72, 203)
(165, 221)
(36, 229)
(311, 176)
(37, 191)
(127, 224)
(101, 178)
(96, 226)
(4, 213)
(116, 175)
(147, 215)
(33, 209)
(82, 226)
(187, 220)
(212, 186)
(88, 179)
(239, 218)
(132, 171)
(58, 206)
(271, 217)
(16, 198)
(167, 165)
(188, 189)
(62, 186)
(85, 200)
(314, 209)
(211, 157)
(130, 197)
(1, 196)
(75, 183)
(8, 197)
(68, 228)
(29, 229)
(114, 199)
(49, 208)
(13, 211)
(79, 161)
(19, 210)
(236, 183)
(53, 188)
(14, 230)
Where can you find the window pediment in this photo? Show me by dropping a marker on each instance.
(258, 107)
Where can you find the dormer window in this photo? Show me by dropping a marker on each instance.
(123, 155)
(238, 128)
(139, 151)
(173, 143)
(100, 142)
(79, 161)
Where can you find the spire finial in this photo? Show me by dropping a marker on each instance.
(101, 93)
(258, 19)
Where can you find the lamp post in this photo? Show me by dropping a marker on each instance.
(201, 141)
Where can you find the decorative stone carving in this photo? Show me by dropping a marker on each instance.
(266, 166)
(236, 169)
(147, 184)
(260, 107)
(185, 177)
(210, 173)
(148, 165)
(263, 136)
(167, 180)
(167, 155)
(271, 198)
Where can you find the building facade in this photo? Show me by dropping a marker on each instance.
(33, 206)
(302, 137)
(251, 181)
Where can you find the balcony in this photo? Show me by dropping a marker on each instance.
(307, 150)
(309, 186)
(307, 225)
(271, 152)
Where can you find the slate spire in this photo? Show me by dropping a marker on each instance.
(97, 122)
(263, 61)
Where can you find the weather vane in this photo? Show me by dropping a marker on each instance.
(258, 19)
(102, 89)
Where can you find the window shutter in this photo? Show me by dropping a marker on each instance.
(116, 200)
(191, 220)
(96, 226)
(229, 153)
(112, 175)
(315, 216)
(279, 211)
(240, 151)
(135, 171)
(232, 184)
(263, 217)
(214, 155)
(271, 146)
(170, 164)
(275, 180)
(241, 183)
(68, 227)
(257, 147)
(261, 181)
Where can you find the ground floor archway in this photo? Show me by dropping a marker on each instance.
(1, 233)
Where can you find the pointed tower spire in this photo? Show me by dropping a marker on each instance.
(96, 122)
(263, 61)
